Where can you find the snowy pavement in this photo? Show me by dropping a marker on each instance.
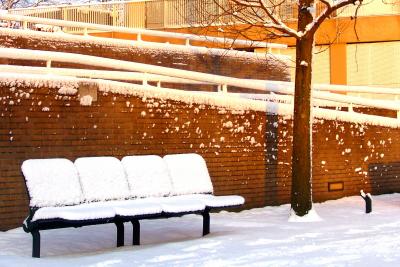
(258, 237)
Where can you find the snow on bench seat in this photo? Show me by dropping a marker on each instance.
(212, 201)
(135, 207)
(191, 181)
(83, 212)
(52, 182)
(102, 178)
(171, 205)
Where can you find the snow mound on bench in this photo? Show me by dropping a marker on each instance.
(189, 174)
(102, 178)
(135, 207)
(52, 182)
(212, 201)
(171, 205)
(147, 176)
(91, 211)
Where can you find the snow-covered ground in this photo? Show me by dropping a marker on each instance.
(259, 237)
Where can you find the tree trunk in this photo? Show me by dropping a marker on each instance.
(301, 195)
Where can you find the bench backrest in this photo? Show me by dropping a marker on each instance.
(147, 176)
(52, 182)
(189, 174)
(102, 178)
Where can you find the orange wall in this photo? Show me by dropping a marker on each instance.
(369, 29)
(338, 64)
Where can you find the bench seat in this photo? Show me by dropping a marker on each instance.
(211, 201)
(135, 208)
(171, 205)
(75, 213)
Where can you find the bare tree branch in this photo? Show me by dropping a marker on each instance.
(329, 10)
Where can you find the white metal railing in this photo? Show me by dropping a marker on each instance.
(97, 74)
(139, 32)
(222, 81)
(157, 14)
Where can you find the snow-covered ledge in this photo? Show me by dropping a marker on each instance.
(223, 101)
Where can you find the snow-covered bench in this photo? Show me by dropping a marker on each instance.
(99, 190)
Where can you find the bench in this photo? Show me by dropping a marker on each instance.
(100, 190)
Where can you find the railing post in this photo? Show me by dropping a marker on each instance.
(85, 31)
(139, 37)
(187, 42)
(159, 84)
(351, 107)
(24, 25)
(48, 64)
(223, 88)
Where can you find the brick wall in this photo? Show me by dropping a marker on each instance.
(247, 153)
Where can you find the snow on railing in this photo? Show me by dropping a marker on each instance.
(222, 81)
(147, 77)
(288, 99)
(98, 74)
(139, 32)
(345, 88)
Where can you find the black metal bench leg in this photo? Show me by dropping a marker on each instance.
(35, 244)
(206, 222)
(120, 233)
(136, 232)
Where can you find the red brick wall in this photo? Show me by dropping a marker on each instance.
(258, 169)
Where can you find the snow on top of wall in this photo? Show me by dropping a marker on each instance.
(288, 99)
(36, 81)
(219, 100)
(60, 36)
